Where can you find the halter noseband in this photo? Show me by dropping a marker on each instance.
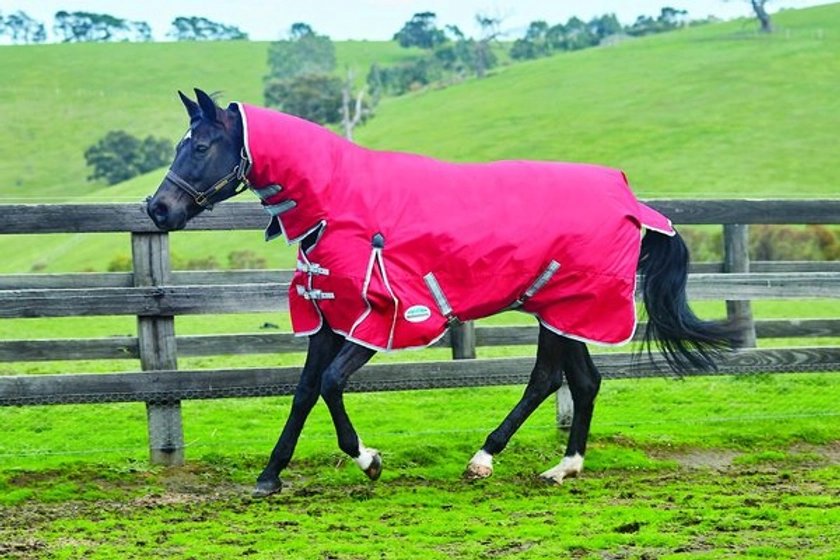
(236, 177)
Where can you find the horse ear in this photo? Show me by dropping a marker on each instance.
(192, 107)
(208, 106)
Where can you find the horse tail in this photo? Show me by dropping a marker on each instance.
(686, 341)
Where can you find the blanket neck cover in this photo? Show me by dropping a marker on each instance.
(397, 247)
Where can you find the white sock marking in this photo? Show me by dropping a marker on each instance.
(365, 457)
(482, 459)
(568, 467)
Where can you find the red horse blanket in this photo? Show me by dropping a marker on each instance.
(401, 245)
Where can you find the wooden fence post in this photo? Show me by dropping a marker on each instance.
(736, 258)
(156, 337)
(462, 338)
(565, 407)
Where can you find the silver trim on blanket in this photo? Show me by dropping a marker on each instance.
(377, 261)
(437, 293)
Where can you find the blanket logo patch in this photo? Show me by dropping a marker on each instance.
(417, 314)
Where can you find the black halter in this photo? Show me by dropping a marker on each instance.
(237, 178)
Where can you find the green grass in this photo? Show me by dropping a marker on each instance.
(664, 478)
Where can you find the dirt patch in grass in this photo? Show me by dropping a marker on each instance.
(722, 459)
(771, 506)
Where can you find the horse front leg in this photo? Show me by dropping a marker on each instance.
(323, 348)
(546, 378)
(349, 360)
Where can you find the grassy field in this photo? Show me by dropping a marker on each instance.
(58, 99)
(763, 485)
(700, 468)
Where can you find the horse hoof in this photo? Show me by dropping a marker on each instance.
(266, 488)
(374, 471)
(550, 480)
(477, 472)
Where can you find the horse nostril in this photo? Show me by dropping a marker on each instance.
(158, 211)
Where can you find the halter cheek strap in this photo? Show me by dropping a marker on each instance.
(237, 178)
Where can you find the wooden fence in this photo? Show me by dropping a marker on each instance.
(155, 294)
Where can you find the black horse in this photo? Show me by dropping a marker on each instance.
(213, 163)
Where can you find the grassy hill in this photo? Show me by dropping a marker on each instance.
(713, 111)
(56, 100)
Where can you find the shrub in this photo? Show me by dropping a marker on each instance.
(119, 156)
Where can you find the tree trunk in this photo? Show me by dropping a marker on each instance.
(763, 16)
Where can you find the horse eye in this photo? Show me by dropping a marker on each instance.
(201, 148)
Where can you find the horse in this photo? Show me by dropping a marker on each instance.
(395, 248)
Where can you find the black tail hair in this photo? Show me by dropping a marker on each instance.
(686, 341)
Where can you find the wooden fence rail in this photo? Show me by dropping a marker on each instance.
(156, 295)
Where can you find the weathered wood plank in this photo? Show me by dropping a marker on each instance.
(260, 297)
(736, 252)
(145, 301)
(126, 347)
(156, 343)
(165, 386)
(119, 217)
(94, 280)
(749, 211)
(765, 328)
(768, 285)
(245, 214)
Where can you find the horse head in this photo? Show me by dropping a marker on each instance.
(210, 165)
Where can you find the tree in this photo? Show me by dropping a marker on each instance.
(484, 58)
(420, 31)
(22, 29)
(305, 52)
(315, 97)
(759, 7)
(119, 156)
(142, 31)
(534, 44)
(77, 27)
(762, 15)
(203, 29)
(353, 113)
(301, 80)
(605, 26)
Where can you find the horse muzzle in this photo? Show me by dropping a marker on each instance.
(164, 216)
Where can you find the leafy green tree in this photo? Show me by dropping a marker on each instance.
(605, 26)
(202, 29)
(421, 31)
(301, 81)
(315, 97)
(305, 52)
(119, 156)
(20, 28)
(534, 44)
(77, 27)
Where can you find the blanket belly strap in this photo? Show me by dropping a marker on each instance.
(314, 294)
(543, 279)
(440, 298)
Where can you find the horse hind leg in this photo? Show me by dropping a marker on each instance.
(584, 383)
(546, 378)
